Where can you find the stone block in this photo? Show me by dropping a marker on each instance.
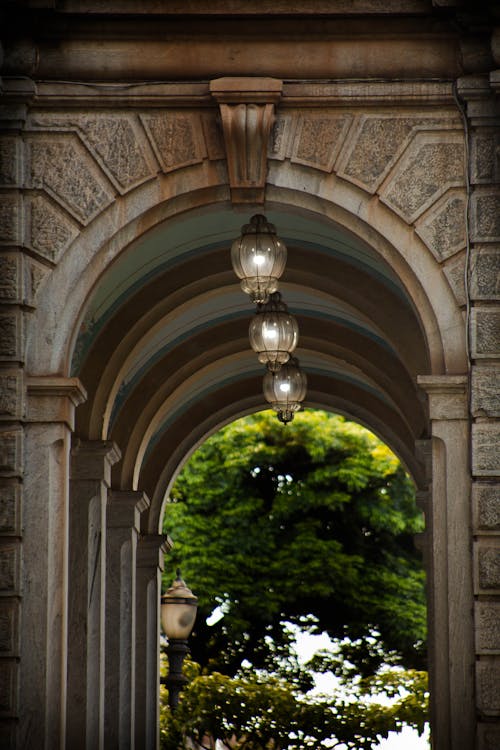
(318, 140)
(49, 231)
(8, 683)
(11, 281)
(9, 627)
(454, 272)
(11, 459)
(485, 391)
(486, 503)
(214, 141)
(485, 332)
(176, 139)
(10, 508)
(487, 627)
(11, 394)
(443, 227)
(485, 273)
(11, 326)
(10, 219)
(488, 686)
(488, 736)
(485, 157)
(10, 161)
(487, 563)
(485, 217)
(9, 567)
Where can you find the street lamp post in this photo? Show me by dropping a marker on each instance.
(178, 614)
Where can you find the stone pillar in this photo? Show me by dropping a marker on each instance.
(123, 525)
(50, 415)
(150, 552)
(91, 464)
(480, 94)
(451, 598)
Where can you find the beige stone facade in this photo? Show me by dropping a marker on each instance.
(137, 137)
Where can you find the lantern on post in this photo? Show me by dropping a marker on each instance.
(258, 257)
(273, 333)
(286, 389)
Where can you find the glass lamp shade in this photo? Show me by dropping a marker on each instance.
(286, 389)
(258, 258)
(273, 333)
(178, 610)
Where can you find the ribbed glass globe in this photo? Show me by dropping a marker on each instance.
(286, 389)
(258, 258)
(273, 333)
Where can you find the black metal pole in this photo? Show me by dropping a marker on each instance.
(176, 651)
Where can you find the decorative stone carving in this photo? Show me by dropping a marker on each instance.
(488, 566)
(485, 273)
(488, 627)
(485, 392)
(116, 141)
(10, 213)
(9, 508)
(10, 152)
(62, 166)
(175, 138)
(10, 277)
(318, 140)
(432, 164)
(486, 503)
(50, 231)
(247, 113)
(485, 217)
(488, 686)
(485, 455)
(485, 332)
(443, 228)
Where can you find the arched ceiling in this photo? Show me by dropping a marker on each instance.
(164, 354)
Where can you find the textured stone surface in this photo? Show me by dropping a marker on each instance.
(214, 141)
(10, 332)
(423, 174)
(318, 140)
(9, 567)
(488, 564)
(51, 232)
(485, 273)
(488, 686)
(10, 277)
(280, 137)
(485, 217)
(485, 453)
(443, 229)
(9, 508)
(485, 157)
(9, 161)
(175, 139)
(10, 451)
(8, 675)
(63, 167)
(489, 737)
(10, 212)
(10, 394)
(487, 618)
(9, 610)
(454, 272)
(485, 391)
(485, 332)
(486, 501)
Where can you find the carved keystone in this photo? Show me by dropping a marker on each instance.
(247, 113)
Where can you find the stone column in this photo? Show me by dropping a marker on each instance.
(123, 525)
(451, 598)
(150, 552)
(91, 464)
(50, 415)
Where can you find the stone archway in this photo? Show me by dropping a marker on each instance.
(385, 186)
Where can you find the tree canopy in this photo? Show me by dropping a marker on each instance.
(310, 524)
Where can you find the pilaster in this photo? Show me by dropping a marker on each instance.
(44, 624)
(91, 464)
(150, 551)
(451, 599)
(123, 525)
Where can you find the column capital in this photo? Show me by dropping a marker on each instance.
(52, 398)
(125, 507)
(151, 548)
(447, 396)
(93, 459)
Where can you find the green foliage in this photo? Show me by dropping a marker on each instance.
(252, 713)
(312, 524)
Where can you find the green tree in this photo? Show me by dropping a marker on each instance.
(310, 524)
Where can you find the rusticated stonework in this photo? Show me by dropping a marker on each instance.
(485, 157)
(9, 565)
(318, 140)
(487, 627)
(9, 508)
(488, 562)
(485, 400)
(50, 231)
(9, 390)
(10, 213)
(485, 217)
(175, 138)
(443, 227)
(117, 142)
(63, 167)
(486, 457)
(485, 332)
(9, 335)
(486, 499)
(488, 682)
(454, 271)
(9, 611)
(11, 460)
(10, 277)
(485, 273)
(10, 149)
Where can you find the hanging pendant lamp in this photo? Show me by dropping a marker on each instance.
(286, 389)
(258, 257)
(273, 333)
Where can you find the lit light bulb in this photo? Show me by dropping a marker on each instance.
(285, 387)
